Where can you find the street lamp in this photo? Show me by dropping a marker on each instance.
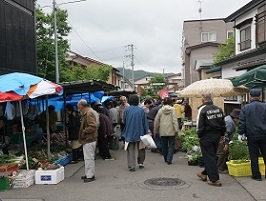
(55, 38)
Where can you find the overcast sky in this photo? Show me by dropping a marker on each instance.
(102, 29)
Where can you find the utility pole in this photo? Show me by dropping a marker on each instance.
(131, 47)
(132, 66)
(55, 37)
(55, 44)
(123, 76)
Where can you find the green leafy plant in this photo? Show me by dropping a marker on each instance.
(238, 151)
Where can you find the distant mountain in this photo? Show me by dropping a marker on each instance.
(138, 74)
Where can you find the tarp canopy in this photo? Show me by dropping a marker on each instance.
(84, 86)
(253, 78)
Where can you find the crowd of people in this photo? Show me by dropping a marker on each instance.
(95, 125)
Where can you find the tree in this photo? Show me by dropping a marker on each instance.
(46, 48)
(158, 83)
(93, 71)
(46, 51)
(225, 51)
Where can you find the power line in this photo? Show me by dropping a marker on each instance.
(84, 42)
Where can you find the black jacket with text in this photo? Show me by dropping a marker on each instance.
(210, 118)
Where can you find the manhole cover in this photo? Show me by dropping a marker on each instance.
(164, 182)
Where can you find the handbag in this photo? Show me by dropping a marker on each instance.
(148, 141)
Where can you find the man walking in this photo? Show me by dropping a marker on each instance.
(252, 120)
(88, 134)
(210, 127)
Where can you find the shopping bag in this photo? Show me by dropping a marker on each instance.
(148, 141)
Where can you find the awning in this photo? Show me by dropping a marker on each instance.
(83, 86)
(253, 78)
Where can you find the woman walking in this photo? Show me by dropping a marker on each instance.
(166, 126)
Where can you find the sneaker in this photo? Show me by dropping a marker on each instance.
(203, 177)
(86, 180)
(83, 177)
(109, 159)
(132, 169)
(141, 166)
(169, 162)
(216, 183)
(73, 162)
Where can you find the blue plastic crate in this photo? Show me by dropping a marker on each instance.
(64, 160)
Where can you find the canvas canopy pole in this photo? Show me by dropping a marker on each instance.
(24, 136)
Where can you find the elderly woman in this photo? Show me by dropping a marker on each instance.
(136, 125)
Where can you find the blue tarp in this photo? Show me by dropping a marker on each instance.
(58, 101)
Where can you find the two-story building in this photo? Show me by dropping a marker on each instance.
(200, 41)
(250, 39)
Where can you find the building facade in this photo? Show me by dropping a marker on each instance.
(200, 41)
(250, 39)
(17, 36)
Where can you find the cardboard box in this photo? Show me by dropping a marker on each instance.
(49, 176)
(24, 179)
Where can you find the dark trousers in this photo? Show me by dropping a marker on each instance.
(77, 153)
(208, 144)
(179, 120)
(255, 146)
(104, 148)
(168, 147)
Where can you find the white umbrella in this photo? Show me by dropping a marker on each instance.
(216, 87)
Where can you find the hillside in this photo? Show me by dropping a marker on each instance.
(138, 74)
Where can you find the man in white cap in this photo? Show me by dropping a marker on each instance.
(252, 123)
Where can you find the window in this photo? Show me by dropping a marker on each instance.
(208, 37)
(245, 38)
(229, 34)
(261, 24)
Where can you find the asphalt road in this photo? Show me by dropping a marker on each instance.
(115, 183)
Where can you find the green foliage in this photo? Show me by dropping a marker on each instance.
(225, 51)
(238, 151)
(158, 79)
(46, 47)
(100, 72)
(138, 74)
(189, 139)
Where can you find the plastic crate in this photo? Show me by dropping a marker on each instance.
(64, 160)
(243, 169)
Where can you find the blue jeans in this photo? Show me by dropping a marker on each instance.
(168, 147)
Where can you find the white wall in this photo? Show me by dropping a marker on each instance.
(249, 14)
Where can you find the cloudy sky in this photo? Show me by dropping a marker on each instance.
(103, 29)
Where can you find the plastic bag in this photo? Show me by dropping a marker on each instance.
(148, 141)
